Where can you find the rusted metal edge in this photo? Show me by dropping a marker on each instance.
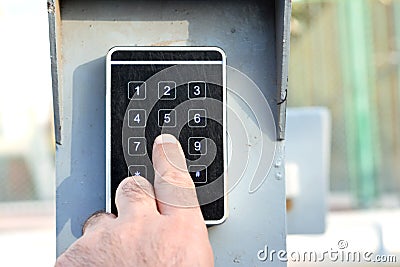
(283, 40)
(52, 10)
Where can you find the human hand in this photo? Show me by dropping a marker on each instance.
(160, 226)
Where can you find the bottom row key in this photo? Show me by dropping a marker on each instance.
(137, 170)
(198, 173)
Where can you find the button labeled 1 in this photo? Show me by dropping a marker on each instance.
(197, 90)
(137, 90)
(197, 146)
(198, 173)
(197, 117)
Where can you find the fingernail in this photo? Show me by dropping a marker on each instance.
(165, 139)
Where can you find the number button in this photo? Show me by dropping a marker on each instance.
(137, 146)
(197, 90)
(136, 118)
(137, 90)
(198, 173)
(166, 118)
(197, 118)
(197, 146)
(167, 90)
(137, 170)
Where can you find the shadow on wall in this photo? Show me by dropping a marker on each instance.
(87, 149)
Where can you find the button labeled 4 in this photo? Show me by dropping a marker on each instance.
(136, 118)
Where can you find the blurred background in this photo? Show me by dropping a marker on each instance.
(345, 56)
(27, 224)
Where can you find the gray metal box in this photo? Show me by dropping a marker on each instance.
(255, 37)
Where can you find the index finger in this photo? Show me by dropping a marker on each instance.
(173, 186)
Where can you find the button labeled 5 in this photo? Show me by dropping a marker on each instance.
(166, 118)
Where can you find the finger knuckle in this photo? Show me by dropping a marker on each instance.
(97, 219)
(136, 189)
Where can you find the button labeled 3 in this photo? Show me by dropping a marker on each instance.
(197, 90)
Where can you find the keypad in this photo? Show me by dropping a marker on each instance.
(194, 117)
(155, 93)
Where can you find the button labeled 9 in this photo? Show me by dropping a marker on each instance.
(197, 146)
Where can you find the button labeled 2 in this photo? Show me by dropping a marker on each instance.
(167, 90)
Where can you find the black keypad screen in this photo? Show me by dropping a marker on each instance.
(177, 92)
